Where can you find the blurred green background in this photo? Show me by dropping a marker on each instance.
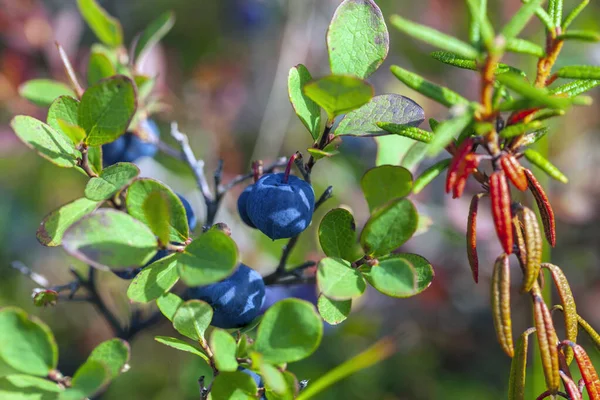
(223, 73)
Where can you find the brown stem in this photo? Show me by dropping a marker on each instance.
(85, 162)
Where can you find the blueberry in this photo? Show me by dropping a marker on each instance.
(191, 216)
(275, 293)
(130, 273)
(236, 300)
(257, 378)
(242, 204)
(281, 209)
(130, 147)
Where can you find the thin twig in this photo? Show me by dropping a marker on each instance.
(170, 151)
(279, 163)
(38, 279)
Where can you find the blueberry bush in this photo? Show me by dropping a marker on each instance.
(190, 273)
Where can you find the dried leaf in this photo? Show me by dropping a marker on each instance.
(466, 167)
(518, 368)
(500, 195)
(533, 245)
(544, 206)
(588, 373)
(547, 341)
(463, 150)
(472, 236)
(514, 171)
(519, 240)
(570, 386)
(501, 304)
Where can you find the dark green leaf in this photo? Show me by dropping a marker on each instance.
(539, 96)
(333, 311)
(438, 93)
(357, 39)
(43, 92)
(26, 343)
(579, 72)
(106, 28)
(430, 174)
(55, 224)
(137, 194)
(192, 318)
(234, 386)
(210, 258)
(114, 354)
(448, 130)
(223, 347)
(401, 275)
(580, 35)
(574, 14)
(106, 109)
(99, 67)
(434, 37)
(181, 345)
(456, 61)
(407, 131)
(545, 165)
(576, 87)
(290, 330)
(516, 24)
(111, 181)
(168, 304)
(389, 227)
(154, 33)
(391, 108)
(522, 46)
(110, 239)
(307, 110)
(49, 143)
(384, 183)
(88, 379)
(156, 211)
(337, 235)
(154, 280)
(338, 280)
(339, 94)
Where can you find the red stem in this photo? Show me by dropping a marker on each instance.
(288, 169)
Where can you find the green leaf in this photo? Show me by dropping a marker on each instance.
(307, 110)
(580, 35)
(88, 379)
(318, 154)
(401, 275)
(574, 14)
(540, 96)
(114, 354)
(448, 130)
(430, 174)
(579, 72)
(49, 143)
(156, 211)
(575, 87)
(290, 330)
(339, 94)
(518, 367)
(333, 311)
(337, 235)
(110, 239)
(106, 109)
(181, 345)
(137, 194)
(168, 304)
(434, 37)
(210, 258)
(407, 131)
(480, 27)
(274, 381)
(522, 46)
(106, 28)
(338, 280)
(545, 165)
(154, 33)
(555, 9)
(26, 343)
(44, 297)
(520, 128)
(384, 183)
(223, 347)
(435, 92)
(111, 180)
(391, 108)
(357, 38)
(42, 92)
(63, 108)
(464, 63)
(414, 155)
(145, 85)
(73, 132)
(95, 158)
(192, 319)
(233, 386)
(520, 19)
(154, 280)
(27, 387)
(54, 225)
(389, 227)
(99, 67)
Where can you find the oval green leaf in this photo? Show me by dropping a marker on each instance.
(54, 225)
(168, 304)
(333, 311)
(99, 67)
(223, 347)
(154, 280)
(114, 354)
(92, 376)
(398, 276)
(385, 183)
(337, 235)
(339, 94)
(63, 108)
(156, 211)
(111, 180)
(107, 28)
(43, 92)
(338, 280)
(233, 386)
(307, 110)
(192, 319)
(181, 345)
(27, 387)
(154, 33)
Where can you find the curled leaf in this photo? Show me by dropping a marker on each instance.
(472, 236)
(544, 206)
(467, 166)
(518, 367)
(519, 239)
(501, 304)
(588, 372)
(514, 171)
(570, 386)
(547, 341)
(533, 246)
(463, 150)
(501, 212)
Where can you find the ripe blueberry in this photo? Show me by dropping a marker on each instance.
(242, 203)
(130, 147)
(280, 208)
(236, 300)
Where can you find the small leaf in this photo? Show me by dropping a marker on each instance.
(106, 28)
(88, 379)
(429, 175)
(574, 14)
(555, 10)
(520, 128)
(44, 297)
(520, 19)
(210, 258)
(337, 235)
(391, 108)
(415, 154)
(106, 109)
(111, 180)
(435, 92)
(99, 67)
(154, 280)
(579, 72)
(580, 35)
(540, 96)
(137, 194)
(518, 367)
(95, 158)
(545, 165)
(434, 37)
(357, 38)
(339, 94)
(154, 33)
(181, 345)
(500, 294)
(73, 132)
(27, 387)
(114, 354)
(338, 280)
(275, 382)
(480, 27)
(576, 87)
(273, 340)
(385, 183)
(547, 341)
(168, 304)
(234, 385)
(42, 92)
(401, 275)
(448, 130)
(307, 110)
(389, 227)
(26, 343)
(318, 154)
(54, 225)
(333, 311)
(522, 46)
(63, 108)
(223, 347)
(156, 210)
(192, 319)
(110, 239)
(49, 143)
(410, 132)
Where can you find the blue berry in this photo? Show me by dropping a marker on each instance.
(191, 216)
(242, 203)
(257, 378)
(236, 300)
(281, 209)
(275, 293)
(130, 147)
